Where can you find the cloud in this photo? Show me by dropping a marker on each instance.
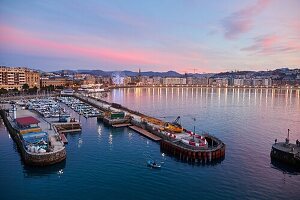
(30, 43)
(273, 44)
(242, 21)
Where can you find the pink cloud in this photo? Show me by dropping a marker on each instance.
(273, 44)
(242, 21)
(32, 43)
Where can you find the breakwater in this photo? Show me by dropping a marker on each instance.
(170, 143)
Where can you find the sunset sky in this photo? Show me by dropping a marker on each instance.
(156, 35)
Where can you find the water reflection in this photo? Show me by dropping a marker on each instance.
(285, 169)
(110, 139)
(99, 130)
(80, 141)
(130, 135)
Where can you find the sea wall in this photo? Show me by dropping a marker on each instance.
(174, 148)
(190, 155)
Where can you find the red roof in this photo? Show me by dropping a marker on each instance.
(24, 121)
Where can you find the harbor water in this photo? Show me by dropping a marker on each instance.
(107, 163)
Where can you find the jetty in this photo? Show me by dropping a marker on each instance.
(174, 140)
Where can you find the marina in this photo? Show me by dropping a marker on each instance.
(80, 107)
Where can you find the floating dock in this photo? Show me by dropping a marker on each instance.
(67, 127)
(145, 133)
(121, 125)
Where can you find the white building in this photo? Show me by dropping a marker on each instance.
(238, 82)
(157, 80)
(127, 80)
(174, 81)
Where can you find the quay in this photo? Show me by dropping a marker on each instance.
(39, 146)
(145, 133)
(184, 144)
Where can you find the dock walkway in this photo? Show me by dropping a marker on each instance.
(120, 125)
(145, 133)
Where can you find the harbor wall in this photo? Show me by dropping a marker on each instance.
(31, 158)
(172, 147)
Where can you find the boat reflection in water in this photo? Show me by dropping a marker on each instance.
(284, 168)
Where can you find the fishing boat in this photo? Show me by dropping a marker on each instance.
(153, 164)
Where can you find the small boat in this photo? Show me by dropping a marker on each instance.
(153, 164)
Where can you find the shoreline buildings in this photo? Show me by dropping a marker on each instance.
(16, 77)
(12, 78)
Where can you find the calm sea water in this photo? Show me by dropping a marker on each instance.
(106, 163)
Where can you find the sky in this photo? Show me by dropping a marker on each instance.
(187, 36)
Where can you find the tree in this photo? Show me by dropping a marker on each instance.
(33, 90)
(3, 91)
(25, 87)
(15, 90)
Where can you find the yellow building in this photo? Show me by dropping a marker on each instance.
(12, 77)
(16, 77)
(55, 81)
(32, 78)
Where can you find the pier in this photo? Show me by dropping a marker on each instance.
(186, 145)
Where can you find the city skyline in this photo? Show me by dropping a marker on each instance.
(155, 36)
